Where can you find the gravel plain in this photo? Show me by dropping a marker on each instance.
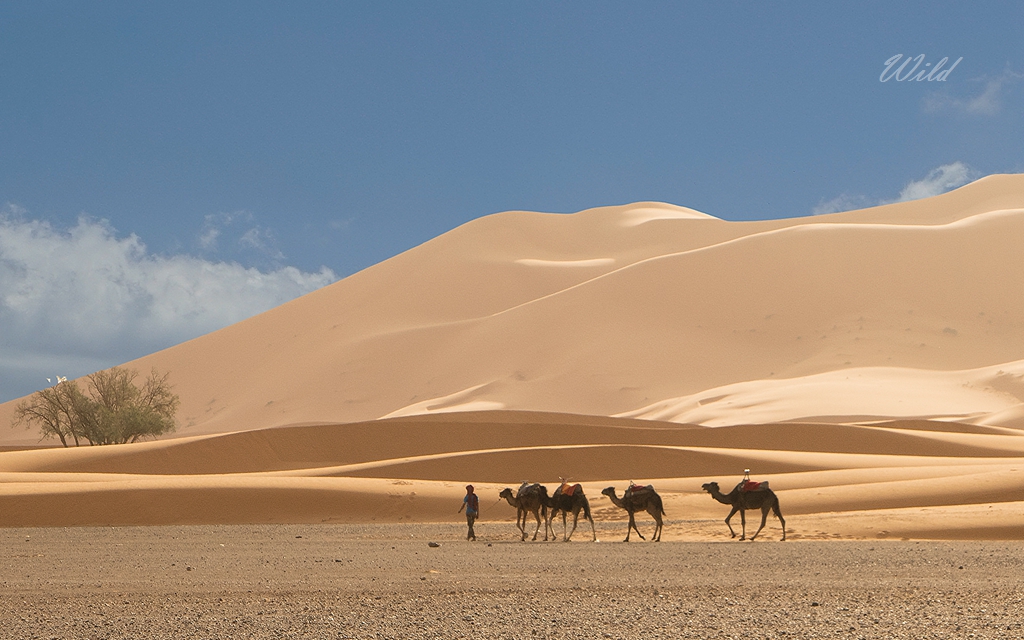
(386, 581)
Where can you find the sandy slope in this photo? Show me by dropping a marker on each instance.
(643, 310)
(897, 480)
(789, 342)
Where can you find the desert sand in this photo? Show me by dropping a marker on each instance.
(384, 581)
(869, 364)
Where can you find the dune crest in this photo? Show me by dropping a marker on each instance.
(601, 345)
(989, 395)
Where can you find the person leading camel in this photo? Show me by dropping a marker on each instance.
(471, 503)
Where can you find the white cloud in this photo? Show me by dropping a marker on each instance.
(79, 299)
(988, 102)
(939, 180)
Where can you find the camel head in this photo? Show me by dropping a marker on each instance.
(610, 491)
(710, 487)
(505, 493)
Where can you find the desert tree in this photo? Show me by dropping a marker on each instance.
(56, 410)
(112, 410)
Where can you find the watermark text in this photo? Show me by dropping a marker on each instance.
(930, 72)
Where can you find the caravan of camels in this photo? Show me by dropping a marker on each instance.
(569, 498)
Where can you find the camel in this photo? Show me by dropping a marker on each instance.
(529, 499)
(569, 498)
(639, 499)
(763, 499)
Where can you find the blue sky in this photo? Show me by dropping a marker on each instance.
(169, 168)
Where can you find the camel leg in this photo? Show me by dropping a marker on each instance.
(632, 523)
(536, 514)
(575, 519)
(782, 521)
(553, 513)
(764, 518)
(586, 514)
(657, 525)
(743, 524)
(728, 518)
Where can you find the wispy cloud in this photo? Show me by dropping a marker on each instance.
(237, 234)
(939, 180)
(261, 240)
(84, 298)
(842, 202)
(988, 102)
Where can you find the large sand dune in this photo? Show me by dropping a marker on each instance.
(871, 363)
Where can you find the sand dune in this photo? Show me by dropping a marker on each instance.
(412, 469)
(625, 310)
(869, 361)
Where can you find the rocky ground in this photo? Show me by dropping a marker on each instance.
(386, 581)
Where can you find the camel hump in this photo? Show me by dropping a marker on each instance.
(749, 485)
(636, 488)
(569, 489)
(529, 489)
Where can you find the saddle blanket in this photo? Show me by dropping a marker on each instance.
(528, 489)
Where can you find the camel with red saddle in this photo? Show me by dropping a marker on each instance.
(748, 495)
(569, 498)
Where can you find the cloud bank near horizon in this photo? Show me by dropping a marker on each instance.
(76, 300)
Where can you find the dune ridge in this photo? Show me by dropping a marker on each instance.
(845, 479)
(877, 354)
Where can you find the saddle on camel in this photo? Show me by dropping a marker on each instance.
(747, 485)
(567, 489)
(638, 489)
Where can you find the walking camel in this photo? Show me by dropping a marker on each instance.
(569, 498)
(529, 499)
(639, 498)
(763, 499)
